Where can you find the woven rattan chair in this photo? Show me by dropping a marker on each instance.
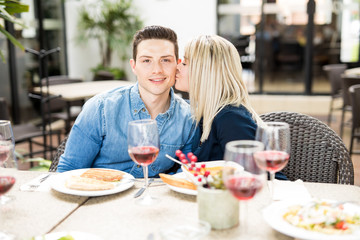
(60, 150)
(317, 153)
(347, 81)
(355, 128)
(333, 72)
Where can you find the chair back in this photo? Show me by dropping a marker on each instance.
(348, 81)
(317, 153)
(59, 151)
(355, 104)
(4, 111)
(333, 72)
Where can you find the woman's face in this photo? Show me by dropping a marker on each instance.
(182, 76)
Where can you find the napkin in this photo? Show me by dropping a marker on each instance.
(44, 186)
(287, 190)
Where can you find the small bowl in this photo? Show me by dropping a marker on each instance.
(195, 231)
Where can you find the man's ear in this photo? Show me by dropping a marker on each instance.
(132, 65)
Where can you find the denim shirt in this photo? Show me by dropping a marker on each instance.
(98, 138)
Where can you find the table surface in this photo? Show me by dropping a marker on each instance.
(83, 90)
(352, 72)
(118, 217)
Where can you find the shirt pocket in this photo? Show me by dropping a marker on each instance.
(162, 163)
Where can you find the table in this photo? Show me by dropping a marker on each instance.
(352, 72)
(80, 91)
(118, 217)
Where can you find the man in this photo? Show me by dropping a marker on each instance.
(98, 138)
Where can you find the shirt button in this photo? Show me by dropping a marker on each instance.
(138, 166)
(143, 110)
(135, 111)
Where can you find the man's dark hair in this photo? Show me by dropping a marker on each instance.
(155, 32)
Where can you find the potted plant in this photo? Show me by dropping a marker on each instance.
(112, 24)
(7, 9)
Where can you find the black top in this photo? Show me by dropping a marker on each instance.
(231, 123)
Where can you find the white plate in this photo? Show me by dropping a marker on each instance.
(74, 234)
(179, 189)
(58, 184)
(273, 215)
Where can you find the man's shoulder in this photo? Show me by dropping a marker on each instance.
(114, 93)
(181, 103)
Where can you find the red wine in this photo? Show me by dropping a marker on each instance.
(144, 155)
(271, 161)
(243, 187)
(4, 153)
(6, 182)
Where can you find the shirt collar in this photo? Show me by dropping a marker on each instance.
(138, 105)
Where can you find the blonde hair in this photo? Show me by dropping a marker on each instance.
(214, 79)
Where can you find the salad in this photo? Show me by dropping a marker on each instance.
(324, 216)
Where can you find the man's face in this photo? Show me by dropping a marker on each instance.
(155, 66)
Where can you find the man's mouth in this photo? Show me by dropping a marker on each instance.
(157, 79)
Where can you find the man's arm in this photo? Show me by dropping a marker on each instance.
(85, 138)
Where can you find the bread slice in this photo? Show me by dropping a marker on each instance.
(107, 175)
(177, 182)
(87, 184)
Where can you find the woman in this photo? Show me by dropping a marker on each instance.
(211, 73)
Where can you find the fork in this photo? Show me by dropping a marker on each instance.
(35, 186)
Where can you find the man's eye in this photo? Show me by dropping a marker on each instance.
(146, 61)
(184, 64)
(166, 60)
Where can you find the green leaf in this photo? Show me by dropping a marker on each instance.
(13, 7)
(2, 57)
(11, 38)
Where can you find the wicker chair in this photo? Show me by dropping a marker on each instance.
(317, 153)
(355, 128)
(333, 72)
(60, 150)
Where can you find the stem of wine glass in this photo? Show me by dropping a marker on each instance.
(146, 181)
(272, 177)
(243, 216)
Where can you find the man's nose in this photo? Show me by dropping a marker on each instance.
(157, 68)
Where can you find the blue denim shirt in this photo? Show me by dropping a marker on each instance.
(98, 138)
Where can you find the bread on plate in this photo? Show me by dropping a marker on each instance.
(87, 184)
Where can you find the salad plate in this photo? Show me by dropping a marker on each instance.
(59, 180)
(274, 216)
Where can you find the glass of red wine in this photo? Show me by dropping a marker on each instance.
(276, 139)
(7, 159)
(143, 148)
(241, 175)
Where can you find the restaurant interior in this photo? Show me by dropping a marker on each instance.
(297, 56)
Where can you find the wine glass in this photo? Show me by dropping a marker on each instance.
(241, 175)
(7, 159)
(276, 138)
(143, 147)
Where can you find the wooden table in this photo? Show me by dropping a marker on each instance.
(117, 216)
(83, 90)
(352, 72)
(80, 91)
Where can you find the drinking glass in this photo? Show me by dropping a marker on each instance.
(241, 175)
(7, 159)
(276, 138)
(143, 147)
